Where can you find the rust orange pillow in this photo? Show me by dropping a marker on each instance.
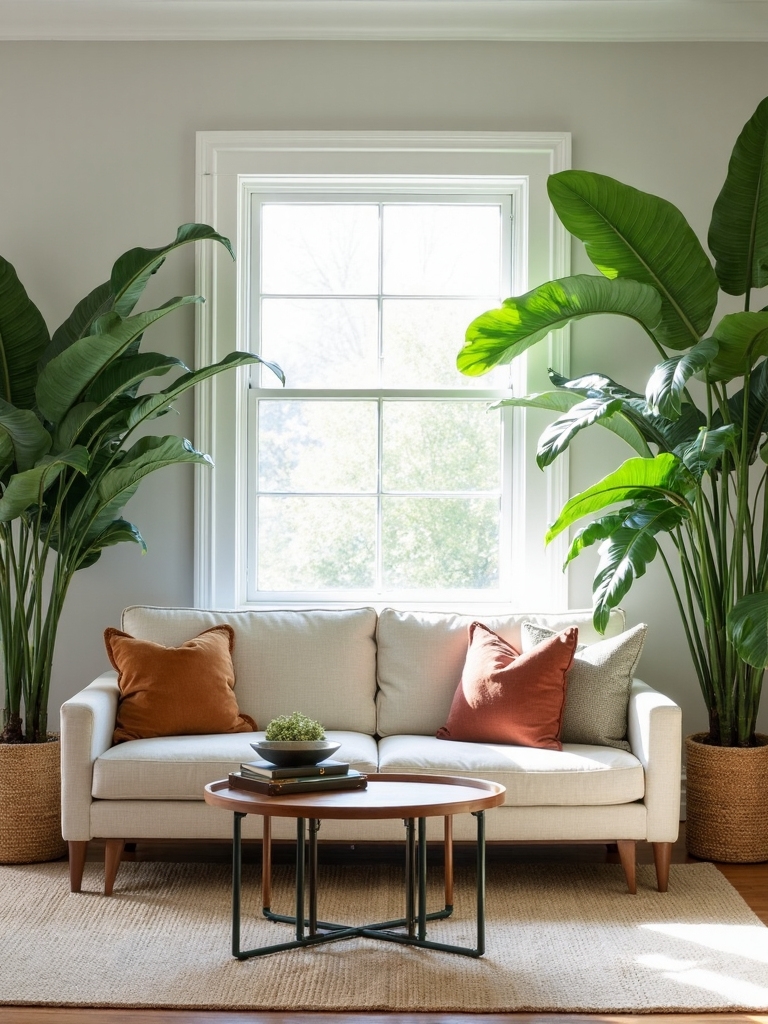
(508, 697)
(175, 691)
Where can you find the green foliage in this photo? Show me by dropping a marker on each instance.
(69, 457)
(294, 727)
(697, 486)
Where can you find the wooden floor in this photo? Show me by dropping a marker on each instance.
(751, 880)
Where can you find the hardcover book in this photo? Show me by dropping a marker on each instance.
(306, 784)
(266, 770)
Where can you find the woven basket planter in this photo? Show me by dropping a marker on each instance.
(726, 792)
(30, 802)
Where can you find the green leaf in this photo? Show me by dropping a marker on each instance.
(757, 407)
(558, 435)
(23, 336)
(124, 373)
(25, 489)
(593, 532)
(747, 628)
(500, 335)
(635, 235)
(664, 476)
(738, 233)
(79, 322)
(627, 552)
(706, 451)
(72, 372)
(135, 267)
(665, 387)
(70, 427)
(742, 340)
(152, 405)
(146, 456)
(563, 401)
(28, 436)
(7, 454)
(118, 532)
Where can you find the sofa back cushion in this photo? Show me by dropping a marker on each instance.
(421, 656)
(319, 662)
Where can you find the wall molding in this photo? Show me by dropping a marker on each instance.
(481, 20)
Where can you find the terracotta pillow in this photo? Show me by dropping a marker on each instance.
(508, 697)
(175, 691)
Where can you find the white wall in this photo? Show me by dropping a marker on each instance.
(97, 155)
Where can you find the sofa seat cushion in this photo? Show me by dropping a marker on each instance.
(577, 775)
(179, 767)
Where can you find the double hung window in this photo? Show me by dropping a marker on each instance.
(378, 473)
(379, 470)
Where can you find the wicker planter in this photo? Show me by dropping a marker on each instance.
(726, 791)
(30, 802)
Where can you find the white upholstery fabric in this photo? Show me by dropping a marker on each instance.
(319, 662)
(421, 655)
(87, 724)
(655, 727)
(193, 819)
(578, 775)
(179, 767)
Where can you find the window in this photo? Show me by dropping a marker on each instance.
(379, 473)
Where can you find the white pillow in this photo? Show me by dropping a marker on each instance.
(598, 686)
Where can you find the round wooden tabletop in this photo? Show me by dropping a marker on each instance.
(387, 796)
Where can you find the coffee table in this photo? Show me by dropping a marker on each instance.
(409, 797)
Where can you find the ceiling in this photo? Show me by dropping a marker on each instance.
(521, 20)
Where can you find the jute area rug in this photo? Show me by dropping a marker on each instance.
(559, 938)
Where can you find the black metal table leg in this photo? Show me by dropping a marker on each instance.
(314, 826)
(237, 871)
(300, 860)
(410, 875)
(480, 883)
(422, 879)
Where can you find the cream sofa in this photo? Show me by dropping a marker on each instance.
(381, 684)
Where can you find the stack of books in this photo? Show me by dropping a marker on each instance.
(264, 777)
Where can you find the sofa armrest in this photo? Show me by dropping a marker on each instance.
(655, 736)
(87, 725)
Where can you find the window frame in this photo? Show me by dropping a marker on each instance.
(232, 167)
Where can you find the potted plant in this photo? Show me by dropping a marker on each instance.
(73, 451)
(695, 492)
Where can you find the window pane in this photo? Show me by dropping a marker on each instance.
(440, 446)
(321, 343)
(442, 249)
(422, 337)
(317, 446)
(440, 542)
(309, 543)
(320, 249)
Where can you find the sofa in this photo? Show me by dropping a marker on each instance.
(382, 684)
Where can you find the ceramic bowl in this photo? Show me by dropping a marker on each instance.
(285, 753)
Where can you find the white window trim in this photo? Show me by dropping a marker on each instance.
(229, 166)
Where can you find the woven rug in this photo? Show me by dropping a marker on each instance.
(559, 938)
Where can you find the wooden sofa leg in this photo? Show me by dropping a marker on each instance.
(662, 856)
(627, 849)
(113, 851)
(77, 851)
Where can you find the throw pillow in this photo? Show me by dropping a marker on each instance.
(175, 691)
(599, 683)
(508, 697)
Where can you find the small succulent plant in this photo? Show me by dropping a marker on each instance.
(294, 727)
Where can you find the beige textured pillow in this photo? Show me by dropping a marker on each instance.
(599, 682)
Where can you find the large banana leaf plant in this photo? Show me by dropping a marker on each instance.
(73, 452)
(695, 491)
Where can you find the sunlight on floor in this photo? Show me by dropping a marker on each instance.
(747, 941)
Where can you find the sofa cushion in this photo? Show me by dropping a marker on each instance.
(577, 775)
(179, 767)
(175, 691)
(319, 662)
(508, 697)
(421, 656)
(599, 682)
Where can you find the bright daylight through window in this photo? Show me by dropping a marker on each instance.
(378, 470)
(379, 474)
